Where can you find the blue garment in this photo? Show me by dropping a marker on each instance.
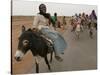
(59, 42)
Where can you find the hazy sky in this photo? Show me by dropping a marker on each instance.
(27, 8)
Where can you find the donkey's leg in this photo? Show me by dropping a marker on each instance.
(51, 56)
(37, 65)
(46, 60)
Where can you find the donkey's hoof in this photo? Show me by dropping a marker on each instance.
(50, 70)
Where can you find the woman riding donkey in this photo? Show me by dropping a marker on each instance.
(42, 23)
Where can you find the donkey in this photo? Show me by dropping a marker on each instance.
(39, 46)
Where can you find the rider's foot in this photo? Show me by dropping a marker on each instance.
(59, 58)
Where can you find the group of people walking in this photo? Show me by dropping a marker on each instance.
(84, 21)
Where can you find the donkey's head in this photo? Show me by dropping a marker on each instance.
(24, 43)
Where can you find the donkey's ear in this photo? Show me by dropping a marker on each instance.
(29, 29)
(23, 28)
